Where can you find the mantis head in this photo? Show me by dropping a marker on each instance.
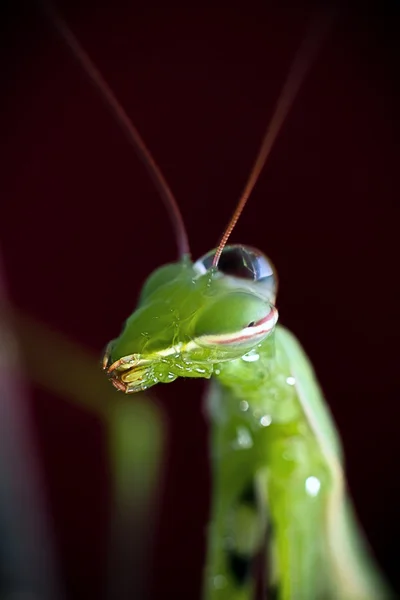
(192, 316)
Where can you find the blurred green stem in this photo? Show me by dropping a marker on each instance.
(134, 427)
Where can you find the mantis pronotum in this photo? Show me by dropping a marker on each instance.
(277, 462)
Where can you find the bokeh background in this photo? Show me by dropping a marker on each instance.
(82, 226)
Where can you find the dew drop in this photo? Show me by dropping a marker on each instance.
(251, 357)
(313, 485)
(265, 420)
(219, 582)
(290, 380)
(244, 439)
(217, 371)
(244, 405)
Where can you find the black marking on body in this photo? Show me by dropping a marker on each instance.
(249, 496)
(240, 567)
(272, 588)
(272, 592)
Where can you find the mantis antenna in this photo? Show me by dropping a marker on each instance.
(295, 78)
(126, 124)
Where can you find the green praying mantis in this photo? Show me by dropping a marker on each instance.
(279, 487)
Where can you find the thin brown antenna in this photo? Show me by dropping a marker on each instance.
(298, 70)
(126, 124)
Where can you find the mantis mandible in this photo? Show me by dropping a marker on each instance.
(278, 481)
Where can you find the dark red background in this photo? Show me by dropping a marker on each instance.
(82, 226)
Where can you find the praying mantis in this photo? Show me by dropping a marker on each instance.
(278, 482)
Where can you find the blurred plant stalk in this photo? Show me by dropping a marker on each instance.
(135, 433)
(28, 564)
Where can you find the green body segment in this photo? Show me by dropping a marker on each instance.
(284, 442)
(278, 484)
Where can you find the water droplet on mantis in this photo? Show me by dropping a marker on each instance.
(290, 380)
(219, 582)
(265, 420)
(312, 485)
(251, 356)
(243, 440)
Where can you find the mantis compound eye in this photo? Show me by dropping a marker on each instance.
(243, 262)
